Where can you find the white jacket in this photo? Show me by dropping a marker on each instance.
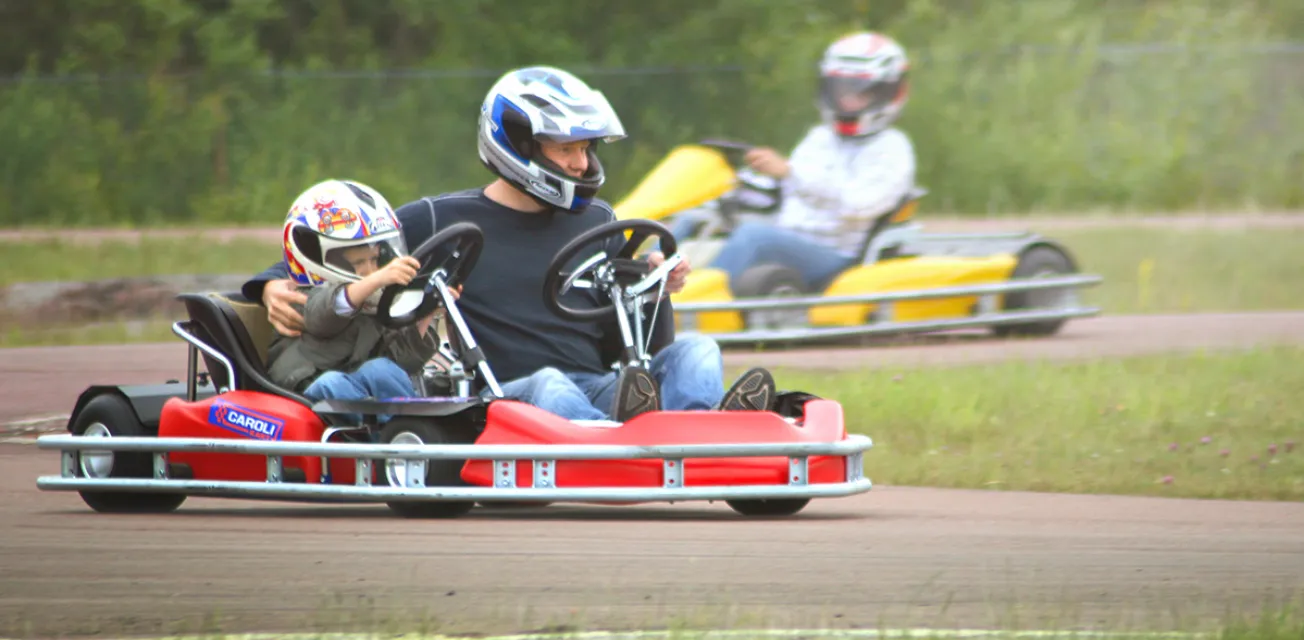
(836, 187)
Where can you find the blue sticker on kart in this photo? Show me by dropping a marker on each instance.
(246, 422)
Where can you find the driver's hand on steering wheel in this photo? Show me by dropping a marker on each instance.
(279, 296)
(767, 161)
(677, 277)
(423, 324)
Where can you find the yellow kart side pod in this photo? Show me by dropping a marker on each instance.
(688, 176)
(912, 274)
(707, 285)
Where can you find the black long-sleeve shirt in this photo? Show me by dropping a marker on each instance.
(502, 299)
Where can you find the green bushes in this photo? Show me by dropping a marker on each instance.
(1017, 106)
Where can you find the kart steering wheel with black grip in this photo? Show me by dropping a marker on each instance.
(627, 269)
(733, 151)
(461, 244)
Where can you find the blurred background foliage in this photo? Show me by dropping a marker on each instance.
(153, 112)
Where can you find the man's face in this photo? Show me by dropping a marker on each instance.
(572, 157)
(853, 101)
(363, 259)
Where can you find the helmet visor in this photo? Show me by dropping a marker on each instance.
(849, 96)
(594, 120)
(362, 258)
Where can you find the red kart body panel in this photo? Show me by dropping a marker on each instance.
(516, 423)
(248, 415)
(261, 416)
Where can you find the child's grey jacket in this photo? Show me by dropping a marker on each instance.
(330, 342)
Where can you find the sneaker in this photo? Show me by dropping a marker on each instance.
(753, 391)
(636, 392)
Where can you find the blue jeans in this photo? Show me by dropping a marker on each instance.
(685, 222)
(753, 243)
(690, 372)
(379, 378)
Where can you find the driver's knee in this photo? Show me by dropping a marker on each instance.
(689, 355)
(548, 381)
(742, 247)
(752, 232)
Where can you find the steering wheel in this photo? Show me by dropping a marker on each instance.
(733, 151)
(403, 304)
(605, 270)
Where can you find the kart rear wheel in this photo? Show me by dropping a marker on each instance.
(768, 506)
(439, 473)
(771, 281)
(1041, 261)
(106, 416)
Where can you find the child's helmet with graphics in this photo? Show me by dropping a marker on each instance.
(328, 227)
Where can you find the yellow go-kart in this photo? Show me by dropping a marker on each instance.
(905, 281)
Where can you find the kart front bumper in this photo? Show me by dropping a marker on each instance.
(506, 487)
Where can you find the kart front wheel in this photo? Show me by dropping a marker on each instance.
(768, 506)
(439, 473)
(107, 416)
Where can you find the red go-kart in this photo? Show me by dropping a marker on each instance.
(231, 432)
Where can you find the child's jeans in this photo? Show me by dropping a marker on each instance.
(379, 379)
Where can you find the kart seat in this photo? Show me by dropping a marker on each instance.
(904, 209)
(237, 328)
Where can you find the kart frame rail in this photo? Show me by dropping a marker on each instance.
(986, 314)
(504, 457)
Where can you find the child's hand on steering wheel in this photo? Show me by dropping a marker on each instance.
(398, 271)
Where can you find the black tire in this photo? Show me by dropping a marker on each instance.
(768, 506)
(439, 473)
(110, 415)
(767, 281)
(1039, 261)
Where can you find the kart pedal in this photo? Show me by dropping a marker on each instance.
(636, 392)
(753, 391)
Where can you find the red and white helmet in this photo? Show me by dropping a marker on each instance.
(863, 83)
(327, 224)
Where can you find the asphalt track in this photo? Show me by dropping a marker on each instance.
(900, 557)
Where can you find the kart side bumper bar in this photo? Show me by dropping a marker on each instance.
(770, 304)
(986, 312)
(885, 328)
(542, 487)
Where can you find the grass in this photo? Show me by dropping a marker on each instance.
(46, 260)
(1181, 271)
(128, 332)
(1144, 270)
(1270, 623)
(1191, 425)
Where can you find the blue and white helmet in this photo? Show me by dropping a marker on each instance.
(332, 225)
(532, 104)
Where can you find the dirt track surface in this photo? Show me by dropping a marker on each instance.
(897, 557)
(45, 381)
